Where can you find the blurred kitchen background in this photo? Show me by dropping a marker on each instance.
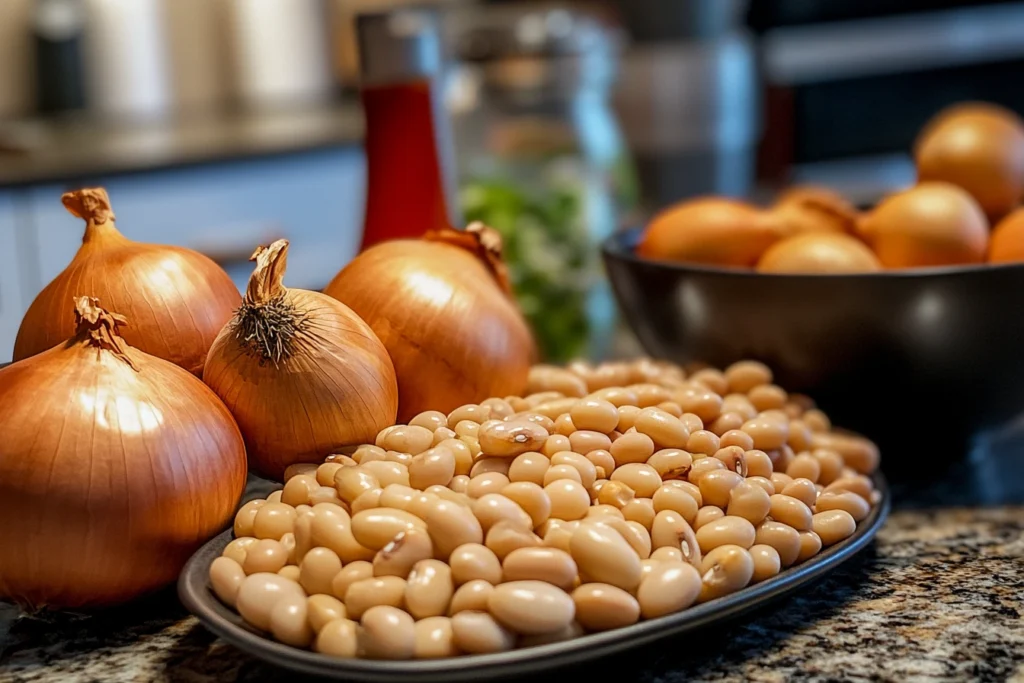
(220, 124)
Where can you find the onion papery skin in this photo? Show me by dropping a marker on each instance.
(110, 477)
(930, 224)
(819, 253)
(335, 388)
(979, 147)
(452, 330)
(176, 299)
(713, 231)
(1007, 243)
(809, 208)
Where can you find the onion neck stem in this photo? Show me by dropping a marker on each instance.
(846, 219)
(101, 231)
(267, 280)
(93, 205)
(483, 242)
(97, 327)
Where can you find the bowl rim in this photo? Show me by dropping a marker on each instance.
(622, 246)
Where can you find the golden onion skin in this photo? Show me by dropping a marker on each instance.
(176, 299)
(811, 208)
(979, 147)
(819, 253)
(336, 388)
(713, 231)
(442, 311)
(930, 224)
(110, 476)
(1007, 243)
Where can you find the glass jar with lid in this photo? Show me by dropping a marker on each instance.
(541, 159)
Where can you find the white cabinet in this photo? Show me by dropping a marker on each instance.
(315, 200)
(12, 306)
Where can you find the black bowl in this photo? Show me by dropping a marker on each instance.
(921, 360)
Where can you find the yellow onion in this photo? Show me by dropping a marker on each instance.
(712, 231)
(1007, 243)
(442, 306)
(979, 147)
(303, 375)
(931, 224)
(809, 208)
(177, 299)
(819, 253)
(115, 466)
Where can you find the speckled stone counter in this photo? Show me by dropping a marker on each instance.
(939, 596)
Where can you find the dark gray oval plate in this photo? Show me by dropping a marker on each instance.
(195, 593)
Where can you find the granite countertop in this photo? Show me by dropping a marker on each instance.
(35, 151)
(938, 596)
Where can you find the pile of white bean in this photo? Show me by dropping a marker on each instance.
(606, 496)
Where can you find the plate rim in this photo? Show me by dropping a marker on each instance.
(198, 599)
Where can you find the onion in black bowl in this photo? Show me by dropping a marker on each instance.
(922, 360)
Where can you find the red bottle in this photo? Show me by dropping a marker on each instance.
(410, 185)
